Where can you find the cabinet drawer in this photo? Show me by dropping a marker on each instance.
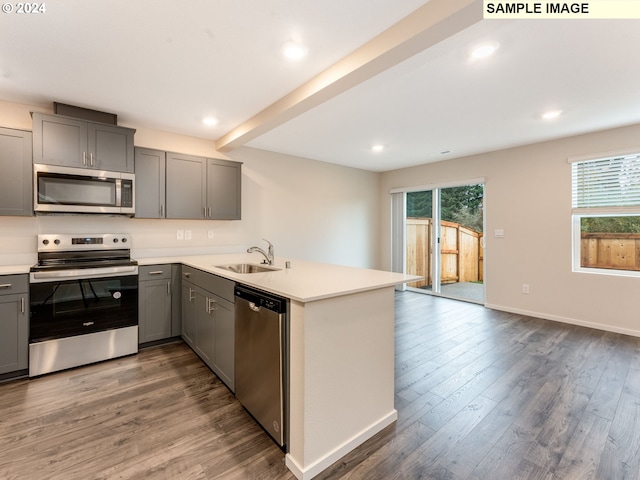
(154, 272)
(208, 281)
(14, 284)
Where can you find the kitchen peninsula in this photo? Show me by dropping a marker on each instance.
(341, 351)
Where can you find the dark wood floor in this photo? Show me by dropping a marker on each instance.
(480, 395)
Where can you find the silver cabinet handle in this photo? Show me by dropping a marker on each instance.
(168, 288)
(186, 275)
(209, 212)
(162, 210)
(91, 157)
(22, 305)
(191, 291)
(210, 305)
(156, 272)
(84, 159)
(6, 285)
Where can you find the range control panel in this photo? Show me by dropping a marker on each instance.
(92, 241)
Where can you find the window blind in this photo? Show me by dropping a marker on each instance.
(606, 182)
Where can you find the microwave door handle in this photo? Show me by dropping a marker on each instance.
(118, 192)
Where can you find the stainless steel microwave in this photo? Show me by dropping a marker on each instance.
(80, 190)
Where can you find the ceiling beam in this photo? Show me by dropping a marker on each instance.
(435, 21)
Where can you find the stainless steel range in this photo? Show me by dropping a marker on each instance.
(84, 301)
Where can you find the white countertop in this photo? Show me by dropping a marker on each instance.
(14, 269)
(305, 281)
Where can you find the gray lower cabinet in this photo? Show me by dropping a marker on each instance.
(150, 166)
(73, 142)
(208, 321)
(155, 287)
(189, 313)
(16, 181)
(14, 323)
(203, 188)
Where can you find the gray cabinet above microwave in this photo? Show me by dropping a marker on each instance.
(72, 142)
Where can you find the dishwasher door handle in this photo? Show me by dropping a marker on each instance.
(254, 307)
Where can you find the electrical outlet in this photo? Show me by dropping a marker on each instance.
(179, 234)
(210, 234)
(525, 288)
(187, 234)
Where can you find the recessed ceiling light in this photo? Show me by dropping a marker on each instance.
(210, 121)
(484, 50)
(294, 51)
(377, 148)
(551, 114)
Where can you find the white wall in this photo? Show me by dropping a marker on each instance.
(528, 194)
(308, 209)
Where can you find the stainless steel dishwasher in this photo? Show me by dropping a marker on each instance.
(260, 358)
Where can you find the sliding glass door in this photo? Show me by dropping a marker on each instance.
(444, 241)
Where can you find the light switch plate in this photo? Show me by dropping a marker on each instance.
(179, 234)
(187, 234)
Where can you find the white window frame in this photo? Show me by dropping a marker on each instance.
(578, 213)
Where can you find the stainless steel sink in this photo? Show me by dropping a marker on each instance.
(247, 268)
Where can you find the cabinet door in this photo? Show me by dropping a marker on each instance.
(189, 313)
(176, 300)
(154, 299)
(59, 141)
(205, 331)
(150, 183)
(110, 148)
(16, 184)
(223, 189)
(14, 333)
(186, 186)
(224, 338)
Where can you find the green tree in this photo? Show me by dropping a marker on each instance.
(622, 224)
(462, 205)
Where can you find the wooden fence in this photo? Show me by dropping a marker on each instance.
(620, 251)
(462, 255)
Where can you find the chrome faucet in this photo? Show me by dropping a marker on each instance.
(268, 257)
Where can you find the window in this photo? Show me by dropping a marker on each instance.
(606, 214)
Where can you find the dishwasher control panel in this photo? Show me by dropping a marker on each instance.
(262, 299)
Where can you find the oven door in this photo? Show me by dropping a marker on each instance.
(77, 306)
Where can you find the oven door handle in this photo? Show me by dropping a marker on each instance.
(83, 273)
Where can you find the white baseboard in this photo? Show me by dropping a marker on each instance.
(321, 464)
(571, 321)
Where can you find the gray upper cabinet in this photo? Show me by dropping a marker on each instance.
(223, 189)
(150, 183)
(186, 186)
(203, 188)
(16, 184)
(71, 142)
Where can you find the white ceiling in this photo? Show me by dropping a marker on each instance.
(166, 64)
